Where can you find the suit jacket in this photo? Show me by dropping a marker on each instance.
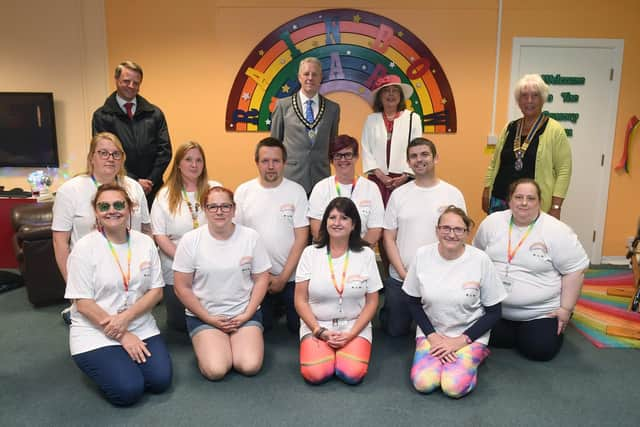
(307, 163)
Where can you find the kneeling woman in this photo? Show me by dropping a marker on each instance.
(454, 295)
(336, 296)
(221, 272)
(114, 280)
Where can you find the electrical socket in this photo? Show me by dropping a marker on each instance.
(492, 140)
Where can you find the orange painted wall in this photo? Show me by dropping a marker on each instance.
(191, 52)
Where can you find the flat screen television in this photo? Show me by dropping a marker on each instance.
(27, 130)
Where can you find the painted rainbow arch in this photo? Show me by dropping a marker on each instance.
(356, 48)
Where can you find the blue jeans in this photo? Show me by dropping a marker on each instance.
(195, 325)
(121, 379)
(282, 300)
(394, 314)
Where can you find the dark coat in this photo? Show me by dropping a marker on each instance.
(145, 137)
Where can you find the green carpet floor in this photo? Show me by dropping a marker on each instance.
(41, 386)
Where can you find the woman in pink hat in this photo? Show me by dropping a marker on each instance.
(387, 132)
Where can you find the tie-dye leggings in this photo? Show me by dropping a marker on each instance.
(456, 379)
(319, 362)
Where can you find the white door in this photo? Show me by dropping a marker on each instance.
(590, 95)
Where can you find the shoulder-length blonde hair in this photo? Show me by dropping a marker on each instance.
(175, 183)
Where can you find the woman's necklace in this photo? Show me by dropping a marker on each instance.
(520, 149)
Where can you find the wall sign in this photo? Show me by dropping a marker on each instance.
(567, 97)
(356, 48)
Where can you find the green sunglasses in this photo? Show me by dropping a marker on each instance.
(118, 205)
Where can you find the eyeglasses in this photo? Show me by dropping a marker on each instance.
(118, 205)
(224, 207)
(445, 229)
(346, 156)
(104, 154)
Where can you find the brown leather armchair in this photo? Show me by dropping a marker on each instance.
(33, 246)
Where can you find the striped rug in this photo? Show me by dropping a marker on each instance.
(596, 310)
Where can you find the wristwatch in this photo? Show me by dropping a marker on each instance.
(556, 207)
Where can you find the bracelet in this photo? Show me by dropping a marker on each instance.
(467, 339)
(319, 332)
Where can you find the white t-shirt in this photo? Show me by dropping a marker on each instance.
(533, 282)
(163, 223)
(366, 197)
(414, 212)
(73, 210)
(94, 274)
(362, 278)
(222, 268)
(274, 213)
(453, 292)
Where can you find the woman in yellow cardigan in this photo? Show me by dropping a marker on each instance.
(533, 146)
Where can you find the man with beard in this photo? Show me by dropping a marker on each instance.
(276, 208)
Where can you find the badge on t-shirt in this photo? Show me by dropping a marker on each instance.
(286, 211)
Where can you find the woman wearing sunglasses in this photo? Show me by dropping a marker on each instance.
(454, 296)
(73, 214)
(343, 155)
(176, 210)
(221, 273)
(115, 279)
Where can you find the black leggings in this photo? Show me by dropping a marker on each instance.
(535, 339)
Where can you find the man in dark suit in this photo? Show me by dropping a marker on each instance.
(140, 126)
(306, 122)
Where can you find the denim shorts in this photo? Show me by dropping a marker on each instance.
(195, 325)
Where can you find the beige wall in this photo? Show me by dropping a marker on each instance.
(192, 53)
(57, 47)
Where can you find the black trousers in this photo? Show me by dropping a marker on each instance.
(534, 339)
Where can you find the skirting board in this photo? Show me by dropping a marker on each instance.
(614, 260)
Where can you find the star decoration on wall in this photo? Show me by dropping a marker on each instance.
(246, 96)
(261, 52)
(268, 122)
(285, 88)
(400, 33)
(392, 64)
(356, 19)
